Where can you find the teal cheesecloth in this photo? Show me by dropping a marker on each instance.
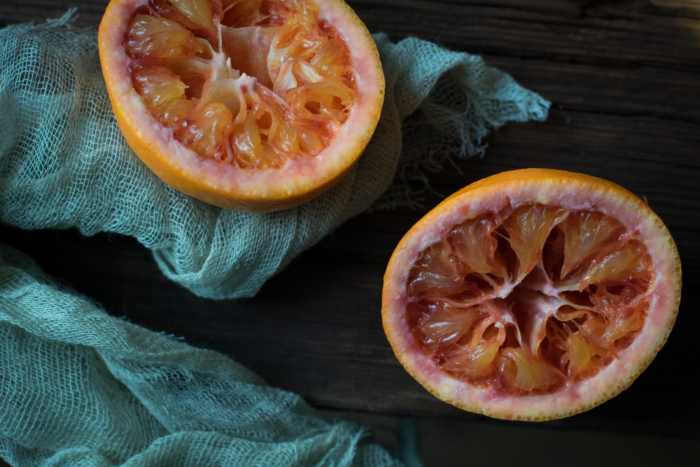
(79, 387)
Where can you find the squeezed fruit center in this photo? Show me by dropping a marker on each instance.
(530, 299)
(251, 83)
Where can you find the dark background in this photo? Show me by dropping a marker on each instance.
(624, 81)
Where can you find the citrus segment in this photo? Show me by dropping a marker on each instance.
(533, 294)
(588, 232)
(528, 227)
(244, 95)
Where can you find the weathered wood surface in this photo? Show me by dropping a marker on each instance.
(624, 80)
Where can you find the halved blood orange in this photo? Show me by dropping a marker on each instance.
(532, 295)
(253, 105)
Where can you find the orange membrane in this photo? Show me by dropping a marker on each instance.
(252, 83)
(530, 299)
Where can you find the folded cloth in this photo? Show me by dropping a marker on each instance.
(64, 162)
(81, 388)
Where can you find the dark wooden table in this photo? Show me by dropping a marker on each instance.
(624, 80)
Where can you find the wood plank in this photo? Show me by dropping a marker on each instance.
(329, 346)
(639, 91)
(631, 89)
(316, 329)
(609, 41)
(623, 78)
(624, 34)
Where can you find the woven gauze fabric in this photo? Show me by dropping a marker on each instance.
(64, 162)
(81, 388)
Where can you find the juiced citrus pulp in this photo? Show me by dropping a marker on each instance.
(247, 104)
(532, 295)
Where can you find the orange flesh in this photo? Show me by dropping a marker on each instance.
(252, 83)
(528, 300)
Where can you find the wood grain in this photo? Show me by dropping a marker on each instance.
(624, 80)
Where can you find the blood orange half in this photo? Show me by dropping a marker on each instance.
(532, 295)
(253, 105)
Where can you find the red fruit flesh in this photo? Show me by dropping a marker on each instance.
(251, 83)
(529, 300)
